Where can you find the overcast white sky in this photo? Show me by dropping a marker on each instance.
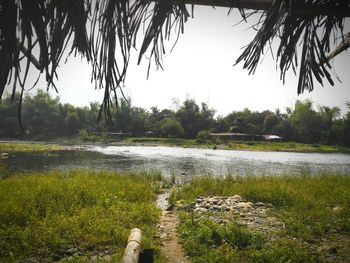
(201, 67)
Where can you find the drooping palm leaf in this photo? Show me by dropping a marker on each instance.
(38, 33)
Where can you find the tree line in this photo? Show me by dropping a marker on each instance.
(45, 116)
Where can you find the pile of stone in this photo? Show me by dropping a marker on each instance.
(223, 210)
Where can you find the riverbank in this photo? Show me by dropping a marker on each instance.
(75, 216)
(265, 219)
(74, 142)
(31, 146)
(86, 217)
(239, 145)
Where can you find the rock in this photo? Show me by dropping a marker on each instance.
(170, 207)
(337, 209)
(4, 155)
(93, 259)
(215, 201)
(237, 197)
(72, 250)
(225, 208)
(269, 205)
(259, 221)
(244, 205)
(199, 199)
(180, 203)
(216, 207)
(259, 204)
(327, 249)
(107, 258)
(200, 210)
(163, 236)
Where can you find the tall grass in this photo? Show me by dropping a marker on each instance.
(29, 147)
(313, 208)
(43, 215)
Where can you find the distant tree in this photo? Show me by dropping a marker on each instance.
(194, 119)
(41, 114)
(329, 129)
(346, 127)
(156, 117)
(221, 124)
(306, 122)
(188, 116)
(138, 121)
(170, 127)
(203, 136)
(72, 123)
(9, 125)
(270, 122)
(122, 116)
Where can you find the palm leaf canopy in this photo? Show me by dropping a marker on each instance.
(37, 33)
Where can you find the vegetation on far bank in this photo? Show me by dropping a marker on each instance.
(315, 211)
(30, 147)
(63, 144)
(56, 215)
(45, 117)
(237, 145)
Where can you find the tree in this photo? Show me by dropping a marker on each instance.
(194, 119)
(329, 129)
(41, 114)
(346, 129)
(38, 33)
(171, 128)
(72, 123)
(270, 122)
(8, 116)
(306, 121)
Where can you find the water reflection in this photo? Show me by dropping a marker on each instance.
(181, 162)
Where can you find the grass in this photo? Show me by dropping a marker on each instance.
(315, 210)
(44, 215)
(238, 145)
(29, 147)
(180, 142)
(285, 147)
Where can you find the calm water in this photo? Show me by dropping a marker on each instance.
(182, 162)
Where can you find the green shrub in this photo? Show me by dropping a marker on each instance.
(203, 136)
(43, 215)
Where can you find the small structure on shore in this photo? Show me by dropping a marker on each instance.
(235, 136)
(272, 138)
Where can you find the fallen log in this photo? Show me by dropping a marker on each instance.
(133, 247)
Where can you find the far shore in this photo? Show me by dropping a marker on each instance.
(74, 143)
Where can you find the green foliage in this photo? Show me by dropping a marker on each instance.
(44, 117)
(30, 147)
(203, 136)
(72, 123)
(90, 137)
(193, 119)
(171, 128)
(45, 214)
(311, 207)
(305, 202)
(207, 241)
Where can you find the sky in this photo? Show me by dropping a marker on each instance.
(201, 67)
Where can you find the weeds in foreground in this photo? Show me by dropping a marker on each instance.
(44, 215)
(313, 208)
(207, 241)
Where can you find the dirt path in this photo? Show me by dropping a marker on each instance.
(171, 247)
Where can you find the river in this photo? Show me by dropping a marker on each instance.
(183, 163)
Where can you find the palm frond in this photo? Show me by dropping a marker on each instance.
(37, 33)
